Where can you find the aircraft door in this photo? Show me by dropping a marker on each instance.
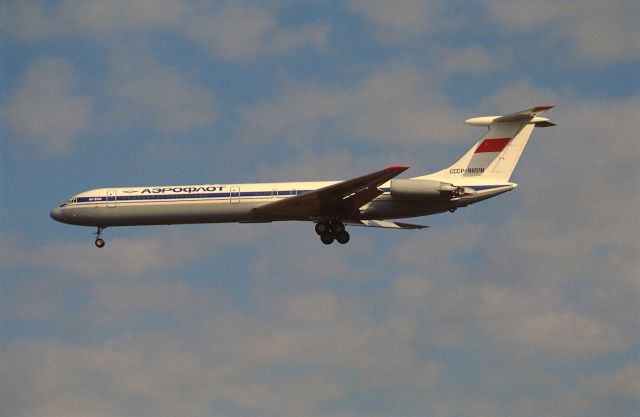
(111, 198)
(234, 195)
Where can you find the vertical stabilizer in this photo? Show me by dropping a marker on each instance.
(494, 157)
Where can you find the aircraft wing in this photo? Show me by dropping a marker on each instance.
(340, 199)
(386, 224)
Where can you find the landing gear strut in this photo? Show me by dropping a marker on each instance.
(332, 230)
(99, 242)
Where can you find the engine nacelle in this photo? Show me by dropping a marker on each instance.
(423, 190)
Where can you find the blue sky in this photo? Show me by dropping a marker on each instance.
(525, 305)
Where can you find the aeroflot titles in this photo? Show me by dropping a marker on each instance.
(180, 190)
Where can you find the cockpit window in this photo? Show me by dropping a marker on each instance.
(69, 201)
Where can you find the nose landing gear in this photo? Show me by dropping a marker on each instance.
(332, 230)
(99, 241)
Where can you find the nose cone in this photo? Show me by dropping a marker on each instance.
(56, 214)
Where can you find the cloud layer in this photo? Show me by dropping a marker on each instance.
(46, 108)
(525, 305)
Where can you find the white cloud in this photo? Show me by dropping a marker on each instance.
(601, 32)
(307, 35)
(159, 95)
(167, 150)
(328, 164)
(401, 104)
(472, 59)
(33, 20)
(121, 257)
(157, 296)
(29, 19)
(251, 364)
(515, 293)
(233, 31)
(563, 335)
(435, 252)
(521, 95)
(287, 114)
(411, 290)
(399, 21)
(53, 379)
(45, 109)
(621, 383)
(48, 110)
(396, 105)
(243, 32)
(316, 266)
(100, 17)
(236, 32)
(320, 305)
(308, 345)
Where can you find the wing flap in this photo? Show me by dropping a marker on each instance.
(386, 224)
(362, 197)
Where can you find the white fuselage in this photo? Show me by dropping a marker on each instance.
(221, 203)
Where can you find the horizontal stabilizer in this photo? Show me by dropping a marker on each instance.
(386, 224)
(523, 115)
(544, 123)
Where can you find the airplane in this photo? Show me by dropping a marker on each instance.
(372, 200)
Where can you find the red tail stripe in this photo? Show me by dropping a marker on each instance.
(492, 145)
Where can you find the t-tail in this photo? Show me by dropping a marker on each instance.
(493, 158)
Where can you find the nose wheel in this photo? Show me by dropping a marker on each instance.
(332, 230)
(99, 241)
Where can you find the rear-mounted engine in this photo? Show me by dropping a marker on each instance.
(426, 190)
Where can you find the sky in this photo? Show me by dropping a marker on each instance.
(523, 305)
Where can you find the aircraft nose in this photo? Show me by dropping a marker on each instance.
(56, 214)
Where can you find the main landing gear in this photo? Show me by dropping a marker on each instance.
(99, 242)
(332, 230)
